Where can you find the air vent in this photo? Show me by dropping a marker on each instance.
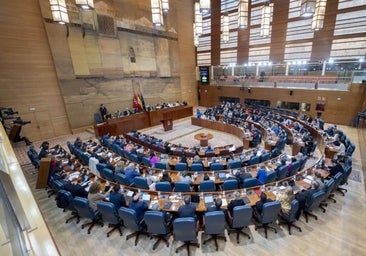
(106, 25)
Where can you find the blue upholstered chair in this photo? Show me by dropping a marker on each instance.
(337, 180)
(157, 226)
(344, 181)
(328, 188)
(121, 179)
(146, 161)
(181, 167)
(314, 202)
(254, 160)
(100, 167)
(251, 182)
(182, 187)
(242, 218)
(290, 218)
(216, 167)
(133, 158)
(110, 215)
(160, 165)
(230, 184)
(282, 172)
(295, 166)
(108, 174)
(71, 147)
(141, 182)
(185, 231)
(163, 186)
(265, 157)
(215, 226)
(130, 221)
(235, 164)
(207, 186)
(85, 211)
(271, 176)
(55, 185)
(196, 167)
(65, 201)
(269, 215)
(303, 161)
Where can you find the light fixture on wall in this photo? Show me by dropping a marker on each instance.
(205, 6)
(265, 20)
(165, 5)
(59, 11)
(307, 8)
(225, 28)
(319, 15)
(243, 13)
(85, 4)
(198, 19)
(157, 12)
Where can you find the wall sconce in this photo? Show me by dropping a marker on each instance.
(243, 13)
(59, 11)
(265, 20)
(157, 12)
(319, 15)
(85, 4)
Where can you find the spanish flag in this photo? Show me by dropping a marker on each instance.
(139, 102)
(135, 103)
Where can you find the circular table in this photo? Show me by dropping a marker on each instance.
(203, 138)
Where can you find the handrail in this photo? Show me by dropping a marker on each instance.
(36, 234)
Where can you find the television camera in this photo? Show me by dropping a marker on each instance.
(14, 127)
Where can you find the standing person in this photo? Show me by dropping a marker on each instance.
(103, 111)
(44, 152)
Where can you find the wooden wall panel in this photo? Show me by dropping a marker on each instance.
(340, 106)
(215, 32)
(27, 72)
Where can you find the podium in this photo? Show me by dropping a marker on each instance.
(167, 124)
(43, 172)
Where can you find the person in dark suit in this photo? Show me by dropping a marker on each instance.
(103, 111)
(139, 206)
(235, 202)
(259, 205)
(116, 197)
(76, 189)
(44, 152)
(216, 206)
(188, 209)
(336, 168)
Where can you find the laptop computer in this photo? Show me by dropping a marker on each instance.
(195, 200)
(222, 176)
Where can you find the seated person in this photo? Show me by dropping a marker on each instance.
(336, 168)
(166, 177)
(116, 197)
(139, 206)
(235, 202)
(285, 198)
(262, 174)
(184, 177)
(197, 160)
(183, 159)
(167, 216)
(131, 172)
(95, 195)
(187, 209)
(75, 188)
(216, 206)
(257, 210)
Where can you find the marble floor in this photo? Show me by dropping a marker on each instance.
(339, 231)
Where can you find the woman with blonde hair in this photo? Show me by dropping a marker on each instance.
(285, 198)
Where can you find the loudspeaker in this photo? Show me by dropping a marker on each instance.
(291, 92)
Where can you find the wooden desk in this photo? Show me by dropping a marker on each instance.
(203, 138)
(43, 172)
(330, 151)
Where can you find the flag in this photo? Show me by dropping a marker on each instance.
(143, 102)
(135, 103)
(139, 102)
